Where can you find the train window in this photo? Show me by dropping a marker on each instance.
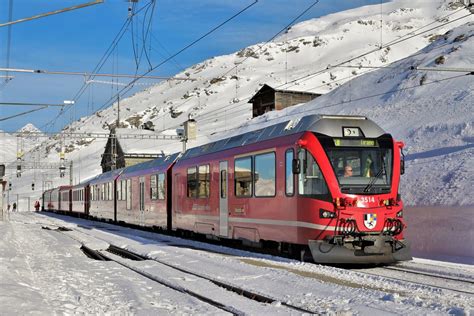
(153, 187)
(223, 184)
(118, 192)
(289, 177)
(111, 191)
(204, 181)
(124, 192)
(311, 181)
(161, 186)
(243, 177)
(128, 191)
(264, 175)
(192, 182)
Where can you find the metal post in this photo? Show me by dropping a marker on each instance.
(70, 173)
(184, 141)
(2, 208)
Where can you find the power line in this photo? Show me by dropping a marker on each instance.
(52, 13)
(88, 75)
(28, 104)
(97, 68)
(22, 113)
(285, 28)
(321, 71)
(327, 69)
(122, 91)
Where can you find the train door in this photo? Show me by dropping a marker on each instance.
(142, 200)
(223, 200)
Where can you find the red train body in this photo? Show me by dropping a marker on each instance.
(328, 184)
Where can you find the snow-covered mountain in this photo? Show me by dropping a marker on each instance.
(10, 144)
(434, 119)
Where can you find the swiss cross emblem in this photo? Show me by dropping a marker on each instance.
(370, 220)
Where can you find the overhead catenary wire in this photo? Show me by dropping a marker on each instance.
(354, 100)
(126, 89)
(130, 84)
(99, 65)
(285, 28)
(387, 92)
(42, 15)
(97, 68)
(412, 36)
(325, 70)
(22, 113)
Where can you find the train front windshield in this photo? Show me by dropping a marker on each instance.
(362, 166)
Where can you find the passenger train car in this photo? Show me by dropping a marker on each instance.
(142, 195)
(57, 199)
(327, 184)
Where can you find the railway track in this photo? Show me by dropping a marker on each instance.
(420, 277)
(419, 274)
(212, 293)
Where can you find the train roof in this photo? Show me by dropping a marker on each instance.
(330, 125)
(158, 164)
(106, 176)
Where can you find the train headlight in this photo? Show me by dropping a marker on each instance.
(400, 214)
(326, 214)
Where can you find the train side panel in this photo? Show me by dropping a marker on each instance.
(142, 193)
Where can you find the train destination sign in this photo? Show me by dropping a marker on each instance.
(341, 142)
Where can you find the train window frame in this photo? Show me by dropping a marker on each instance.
(161, 186)
(111, 191)
(324, 196)
(154, 187)
(254, 171)
(206, 182)
(223, 182)
(250, 190)
(192, 193)
(289, 163)
(124, 189)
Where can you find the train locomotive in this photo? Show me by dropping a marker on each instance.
(321, 185)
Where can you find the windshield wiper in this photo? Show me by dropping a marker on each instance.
(372, 182)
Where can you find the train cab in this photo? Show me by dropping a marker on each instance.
(286, 184)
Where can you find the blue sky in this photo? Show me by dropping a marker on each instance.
(76, 41)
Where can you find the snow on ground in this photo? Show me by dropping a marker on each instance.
(43, 271)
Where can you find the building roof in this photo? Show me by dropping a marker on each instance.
(132, 145)
(156, 165)
(266, 88)
(106, 176)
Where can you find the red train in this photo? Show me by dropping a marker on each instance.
(327, 184)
